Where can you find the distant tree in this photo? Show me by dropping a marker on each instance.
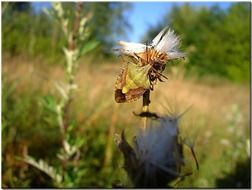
(20, 6)
(108, 22)
(26, 32)
(32, 33)
(236, 33)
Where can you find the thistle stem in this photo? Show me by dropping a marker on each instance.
(146, 103)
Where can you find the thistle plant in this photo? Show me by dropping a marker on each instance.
(77, 35)
(156, 158)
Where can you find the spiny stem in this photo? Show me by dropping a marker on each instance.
(146, 103)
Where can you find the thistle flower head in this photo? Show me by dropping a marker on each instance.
(146, 65)
(166, 43)
(157, 157)
(158, 146)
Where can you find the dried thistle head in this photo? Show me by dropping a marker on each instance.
(157, 156)
(164, 47)
(146, 64)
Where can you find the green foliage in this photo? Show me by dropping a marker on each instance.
(26, 122)
(88, 47)
(32, 34)
(66, 171)
(23, 124)
(217, 41)
(43, 166)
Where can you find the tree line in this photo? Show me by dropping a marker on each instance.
(216, 40)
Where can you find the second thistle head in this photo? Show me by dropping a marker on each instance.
(157, 156)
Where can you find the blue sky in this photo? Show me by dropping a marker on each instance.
(146, 14)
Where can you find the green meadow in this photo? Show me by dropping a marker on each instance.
(213, 80)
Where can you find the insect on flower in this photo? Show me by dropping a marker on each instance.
(147, 62)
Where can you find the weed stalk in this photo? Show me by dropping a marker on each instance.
(145, 108)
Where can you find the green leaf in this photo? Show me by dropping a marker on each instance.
(72, 125)
(49, 103)
(44, 167)
(88, 46)
(79, 141)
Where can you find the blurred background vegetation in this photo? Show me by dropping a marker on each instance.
(214, 78)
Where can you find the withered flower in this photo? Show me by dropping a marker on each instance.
(157, 155)
(146, 64)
